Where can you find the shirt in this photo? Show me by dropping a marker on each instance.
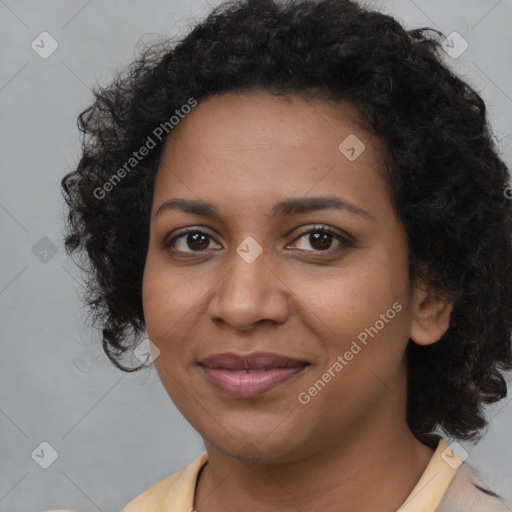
(446, 485)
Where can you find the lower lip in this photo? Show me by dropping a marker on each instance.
(246, 385)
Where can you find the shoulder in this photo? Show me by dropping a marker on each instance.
(172, 493)
(468, 493)
(152, 497)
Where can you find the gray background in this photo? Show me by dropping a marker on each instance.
(115, 433)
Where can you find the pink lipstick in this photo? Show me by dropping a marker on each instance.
(244, 376)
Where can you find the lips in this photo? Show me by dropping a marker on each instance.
(254, 361)
(245, 376)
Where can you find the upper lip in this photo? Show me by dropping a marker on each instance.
(254, 361)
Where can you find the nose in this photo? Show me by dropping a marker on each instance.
(250, 293)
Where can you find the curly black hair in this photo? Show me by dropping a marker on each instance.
(443, 169)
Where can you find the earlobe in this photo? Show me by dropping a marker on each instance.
(431, 317)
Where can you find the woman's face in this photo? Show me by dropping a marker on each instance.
(261, 278)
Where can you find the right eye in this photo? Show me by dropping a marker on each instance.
(193, 239)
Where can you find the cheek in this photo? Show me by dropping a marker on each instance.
(351, 299)
(163, 308)
(364, 346)
(361, 314)
(168, 297)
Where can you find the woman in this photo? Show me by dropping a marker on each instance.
(302, 209)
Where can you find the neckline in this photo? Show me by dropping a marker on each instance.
(425, 496)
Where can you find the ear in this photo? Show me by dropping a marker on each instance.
(431, 316)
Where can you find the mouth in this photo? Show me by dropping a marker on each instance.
(245, 376)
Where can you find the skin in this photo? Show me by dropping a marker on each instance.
(349, 448)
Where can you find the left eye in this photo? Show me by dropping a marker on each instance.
(321, 238)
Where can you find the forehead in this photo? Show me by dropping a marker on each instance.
(263, 146)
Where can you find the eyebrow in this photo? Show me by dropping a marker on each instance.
(290, 206)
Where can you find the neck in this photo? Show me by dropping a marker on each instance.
(373, 466)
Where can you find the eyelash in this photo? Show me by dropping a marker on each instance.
(345, 241)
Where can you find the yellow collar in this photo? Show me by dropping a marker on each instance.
(434, 482)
